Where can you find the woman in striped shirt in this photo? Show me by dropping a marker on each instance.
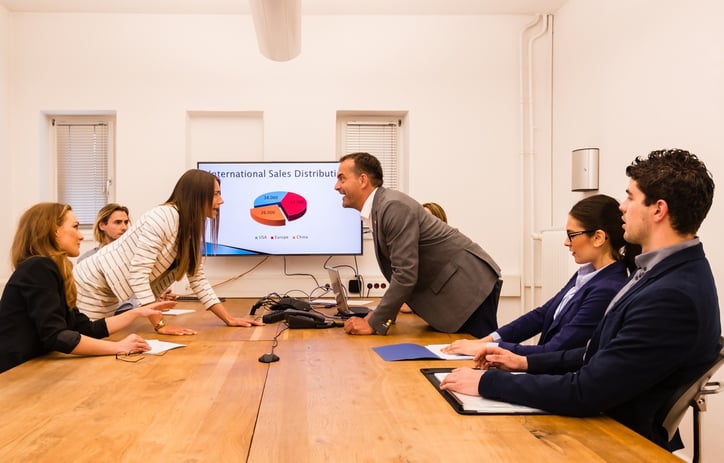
(163, 246)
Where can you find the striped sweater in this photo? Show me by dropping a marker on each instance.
(139, 263)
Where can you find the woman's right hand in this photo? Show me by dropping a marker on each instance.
(154, 308)
(133, 343)
(175, 330)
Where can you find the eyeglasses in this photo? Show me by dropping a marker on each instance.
(572, 235)
(132, 357)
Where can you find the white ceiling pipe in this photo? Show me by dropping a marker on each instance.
(278, 25)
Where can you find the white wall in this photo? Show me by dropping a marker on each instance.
(457, 78)
(5, 159)
(628, 77)
(631, 77)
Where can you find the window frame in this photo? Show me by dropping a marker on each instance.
(59, 120)
(398, 119)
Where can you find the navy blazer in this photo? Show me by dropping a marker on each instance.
(575, 323)
(660, 335)
(438, 271)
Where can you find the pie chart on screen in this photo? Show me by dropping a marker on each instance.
(277, 208)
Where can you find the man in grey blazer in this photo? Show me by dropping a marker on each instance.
(446, 278)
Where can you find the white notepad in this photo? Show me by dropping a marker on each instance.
(159, 347)
(178, 311)
(477, 404)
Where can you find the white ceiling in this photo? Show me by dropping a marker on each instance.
(310, 7)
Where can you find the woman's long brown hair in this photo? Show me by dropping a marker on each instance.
(35, 236)
(193, 197)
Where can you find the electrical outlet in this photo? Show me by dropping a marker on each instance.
(376, 289)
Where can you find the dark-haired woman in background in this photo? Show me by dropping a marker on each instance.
(163, 246)
(595, 238)
(37, 309)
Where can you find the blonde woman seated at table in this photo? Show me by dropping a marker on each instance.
(163, 246)
(595, 239)
(37, 308)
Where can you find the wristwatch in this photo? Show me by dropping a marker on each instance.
(161, 323)
(384, 328)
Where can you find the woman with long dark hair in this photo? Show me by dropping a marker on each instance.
(163, 246)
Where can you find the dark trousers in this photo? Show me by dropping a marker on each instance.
(485, 318)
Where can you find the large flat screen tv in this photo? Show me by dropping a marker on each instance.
(282, 208)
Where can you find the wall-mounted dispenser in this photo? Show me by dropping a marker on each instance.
(584, 169)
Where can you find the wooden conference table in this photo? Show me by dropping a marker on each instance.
(329, 398)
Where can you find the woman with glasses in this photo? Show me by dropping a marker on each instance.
(595, 240)
(38, 311)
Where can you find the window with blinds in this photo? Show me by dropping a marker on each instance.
(379, 139)
(83, 165)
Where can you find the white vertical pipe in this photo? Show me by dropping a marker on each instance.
(529, 158)
(526, 279)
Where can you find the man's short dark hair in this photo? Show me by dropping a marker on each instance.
(679, 178)
(365, 163)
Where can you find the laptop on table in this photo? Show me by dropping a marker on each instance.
(340, 297)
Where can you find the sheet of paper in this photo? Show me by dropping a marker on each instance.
(178, 311)
(357, 302)
(159, 347)
(435, 349)
(483, 405)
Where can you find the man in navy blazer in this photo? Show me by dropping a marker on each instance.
(446, 278)
(659, 332)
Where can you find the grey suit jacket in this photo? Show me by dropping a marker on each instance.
(441, 273)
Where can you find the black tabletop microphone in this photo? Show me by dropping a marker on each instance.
(269, 358)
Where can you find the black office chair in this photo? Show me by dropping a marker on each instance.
(694, 395)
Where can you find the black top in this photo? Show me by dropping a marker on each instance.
(34, 317)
